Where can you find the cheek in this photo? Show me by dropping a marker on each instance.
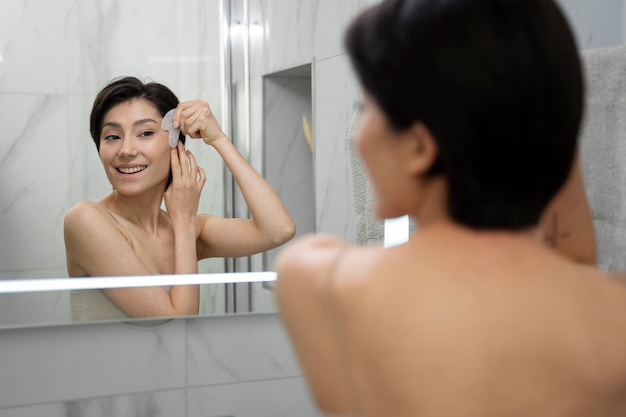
(105, 155)
(166, 160)
(159, 149)
(363, 143)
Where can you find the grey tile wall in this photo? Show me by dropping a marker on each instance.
(231, 365)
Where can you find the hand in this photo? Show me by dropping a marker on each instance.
(195, 119)
(182, 197)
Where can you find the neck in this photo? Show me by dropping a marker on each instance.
(432, 207)
(143, 210)
(433, 213)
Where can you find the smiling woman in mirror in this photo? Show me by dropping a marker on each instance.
(128, 233)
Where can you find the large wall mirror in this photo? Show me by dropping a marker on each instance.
(56, 55)
(54, 58)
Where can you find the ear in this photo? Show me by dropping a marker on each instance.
(421, 147)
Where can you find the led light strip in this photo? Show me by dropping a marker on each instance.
(61, 284)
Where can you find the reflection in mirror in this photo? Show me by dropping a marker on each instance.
(149, 223)
(45, 123)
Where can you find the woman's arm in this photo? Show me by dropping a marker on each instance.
(304, 269)
(567, 224)
(96, 245)
(182, 199)
(270, 225)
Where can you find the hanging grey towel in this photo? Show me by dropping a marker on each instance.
(369, 229)
(603, 151)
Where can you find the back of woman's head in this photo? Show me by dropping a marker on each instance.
(123, 89)
(499, 85)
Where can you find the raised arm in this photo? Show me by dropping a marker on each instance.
(270, 224)
(567, 223)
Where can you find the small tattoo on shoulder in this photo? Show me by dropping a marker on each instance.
(554, 234)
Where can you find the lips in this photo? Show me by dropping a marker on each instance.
(131, 170)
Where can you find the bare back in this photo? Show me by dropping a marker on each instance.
(495, 326)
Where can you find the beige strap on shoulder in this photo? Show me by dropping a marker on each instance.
(338, 334)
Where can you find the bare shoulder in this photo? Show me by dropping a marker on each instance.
(83, 216)
(83, 209)
(311, 251)
(305, 267)
(302, 268)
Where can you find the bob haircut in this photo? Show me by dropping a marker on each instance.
(126, 88)
(499, 85)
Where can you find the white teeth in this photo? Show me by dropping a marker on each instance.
(131, 170)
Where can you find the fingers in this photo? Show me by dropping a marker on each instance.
(195, 171)
(185, 166)
(194, 118)
(175, 159)
(201, 177)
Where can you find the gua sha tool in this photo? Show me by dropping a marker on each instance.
(166, 124)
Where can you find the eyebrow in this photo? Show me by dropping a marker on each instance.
(136, 123)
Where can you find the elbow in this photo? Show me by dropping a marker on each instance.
(287, 232)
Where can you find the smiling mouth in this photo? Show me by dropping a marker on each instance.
(132, 170)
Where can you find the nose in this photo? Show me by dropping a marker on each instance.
(128, 149)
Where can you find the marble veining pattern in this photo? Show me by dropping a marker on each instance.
(287, 397)
(335, 92)
(334, 17)
(84, 361)
(288, 31)
(218, 352)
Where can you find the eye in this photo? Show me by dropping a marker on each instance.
(111, 137)
(146, 133)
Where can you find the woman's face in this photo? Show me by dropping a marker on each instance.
(134, 150)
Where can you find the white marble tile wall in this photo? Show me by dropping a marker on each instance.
(286, 397)
(285, 35)
(288, 157)
(221, 366)
(331, 19)
(336, 94)
(86, 361)
(596, 23)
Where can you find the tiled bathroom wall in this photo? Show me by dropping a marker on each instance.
(240, 366)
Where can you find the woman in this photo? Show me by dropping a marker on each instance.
(127, 232)
(471, 110)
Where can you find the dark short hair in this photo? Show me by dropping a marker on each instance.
(497, 82)
(123, 89)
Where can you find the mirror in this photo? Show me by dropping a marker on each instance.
(50, 73)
